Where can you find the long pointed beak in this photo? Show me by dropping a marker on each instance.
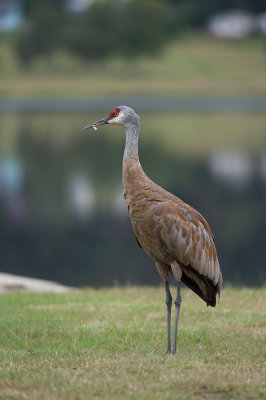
(97, 123)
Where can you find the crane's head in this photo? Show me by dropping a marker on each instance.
(121, 115)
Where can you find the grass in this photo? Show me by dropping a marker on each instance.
(110, 343)
(195, 64)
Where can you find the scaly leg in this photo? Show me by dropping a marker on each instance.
(168, 301)
(177, 305)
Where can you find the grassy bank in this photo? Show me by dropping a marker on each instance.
(192, 65)
(110, 343)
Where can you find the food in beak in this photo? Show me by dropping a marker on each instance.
(97, 123)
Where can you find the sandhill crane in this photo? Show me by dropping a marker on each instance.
(171, 232)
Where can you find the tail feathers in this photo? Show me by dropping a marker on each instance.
(202, 285)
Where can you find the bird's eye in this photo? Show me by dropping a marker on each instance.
(114, 113)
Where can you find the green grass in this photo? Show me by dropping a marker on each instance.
(195, 64)
(110, 344)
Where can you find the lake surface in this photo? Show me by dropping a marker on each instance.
(61, 206)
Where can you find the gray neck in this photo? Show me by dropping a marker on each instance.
(131, 148)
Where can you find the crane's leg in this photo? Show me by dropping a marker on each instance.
(177, 306)
(168, 301)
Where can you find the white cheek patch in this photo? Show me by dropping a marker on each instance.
(114, 121)
(95, 128)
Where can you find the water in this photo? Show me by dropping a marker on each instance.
(61, 207)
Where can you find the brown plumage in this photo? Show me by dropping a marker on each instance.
(171, 232)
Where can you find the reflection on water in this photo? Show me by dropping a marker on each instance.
(11, 189)
(61, 206)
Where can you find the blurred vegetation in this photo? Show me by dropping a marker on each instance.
(193, 64)
(111, 28)
(149, 46)
(108, 28)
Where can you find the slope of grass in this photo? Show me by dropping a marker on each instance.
(110, 343)
(192, 65)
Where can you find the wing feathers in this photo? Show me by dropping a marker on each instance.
(188, 239)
